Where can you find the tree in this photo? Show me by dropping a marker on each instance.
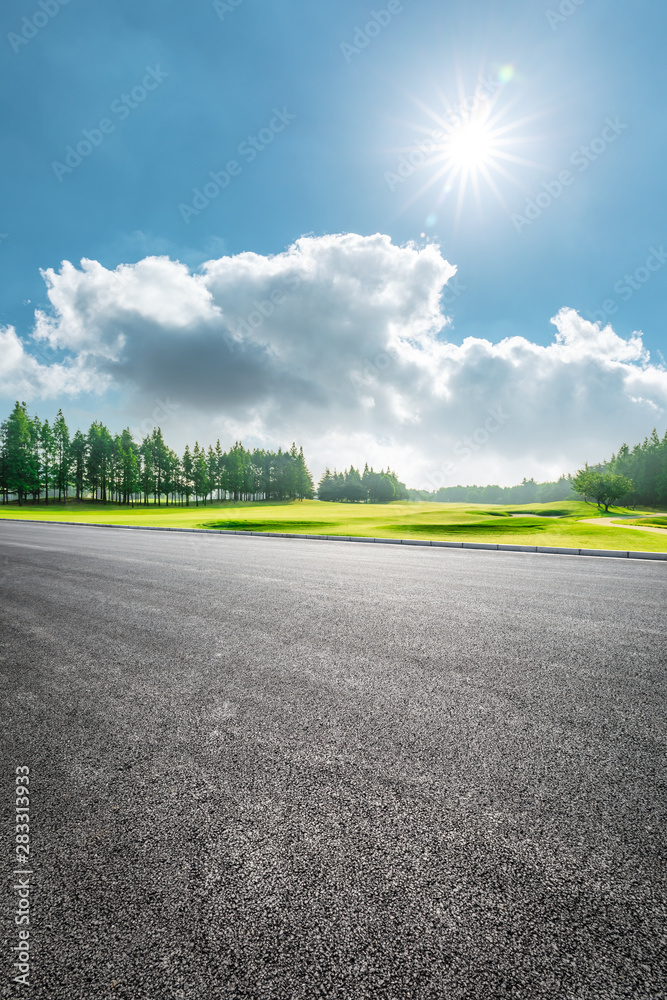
(157, 455)
(34, 470)
(63, 455)
(354, 490)
(304, 481)
(605, 488)
(18, 455)
(98, 459)
(47, 444)
(36, 456)
(128, 466)
(147, 477)
(384, 489)
(79, 451)
(187, 472)
(234, 464)
(219, 468)
(212, 470)
(200, 473)
(325, 487)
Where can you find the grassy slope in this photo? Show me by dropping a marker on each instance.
(463, 522)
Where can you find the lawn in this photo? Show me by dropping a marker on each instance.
(555, 524)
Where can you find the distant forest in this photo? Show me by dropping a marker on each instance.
(44, 462)
(527, 491)
(645, 465)
(39, 461)
(352, 486)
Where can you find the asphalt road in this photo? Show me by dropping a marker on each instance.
(296, 769)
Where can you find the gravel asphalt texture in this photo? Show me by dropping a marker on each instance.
(292, 769)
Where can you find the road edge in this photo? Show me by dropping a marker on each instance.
(498, 547)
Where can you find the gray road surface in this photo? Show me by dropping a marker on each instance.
(267, 768)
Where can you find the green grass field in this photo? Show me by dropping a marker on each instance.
(558, 524)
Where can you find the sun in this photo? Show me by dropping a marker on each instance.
(473, 145)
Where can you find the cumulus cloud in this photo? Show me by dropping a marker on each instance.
(24, 376)
(341, 343)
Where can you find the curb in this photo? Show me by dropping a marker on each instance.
(499, 547)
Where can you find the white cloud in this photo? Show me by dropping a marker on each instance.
(24, 376)
(339, 342)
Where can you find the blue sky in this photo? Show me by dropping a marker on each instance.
(335, 95)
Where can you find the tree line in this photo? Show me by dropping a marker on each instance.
(527, 491)
(39, 460)
(646, 466)
(641, 480)
(351, 486)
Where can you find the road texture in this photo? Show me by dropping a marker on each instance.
(291, 769)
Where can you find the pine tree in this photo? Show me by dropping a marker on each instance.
(354, 491)
(325, 487)
(63, 456)
(187, 469)
(305, 485)
(18, 460)
(47, 443)
(79, 453)
(219, 468)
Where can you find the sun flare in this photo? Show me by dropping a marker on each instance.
(473, 145)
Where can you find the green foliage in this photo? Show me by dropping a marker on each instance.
(37, 459)
(527, 491)
(351, 487)
(20, 464)
(646, 466)
(603, 487)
